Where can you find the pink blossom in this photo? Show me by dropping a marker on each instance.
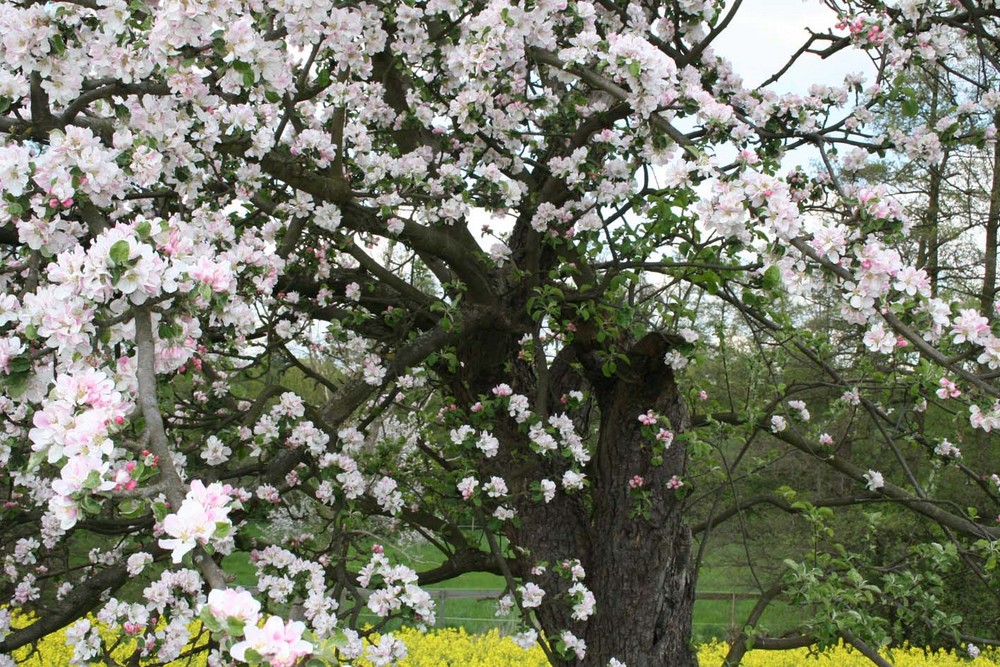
(877, 339)
(467, 487)
(531, 595)
(874, 480)
(10, 347)
(647, 419)
(234, 603)
(913, 281)
(502, 390)
(948, 389)
(191, 525)
(66, 510)
(76, 475)
(217, 275)
(947, 450)
(496, 487)
(214, 498)
(969, 326)
(279, 643)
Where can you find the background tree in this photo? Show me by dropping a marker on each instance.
(204, 202)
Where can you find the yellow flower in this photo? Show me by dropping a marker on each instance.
(454, 646)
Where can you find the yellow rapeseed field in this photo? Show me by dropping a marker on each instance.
(453, 646)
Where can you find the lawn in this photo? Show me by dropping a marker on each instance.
(721, 572)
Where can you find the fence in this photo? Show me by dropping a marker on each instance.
(463, 617)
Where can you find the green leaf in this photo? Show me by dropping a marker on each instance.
(20, 364)
(209, 619)
(17, 385)
(235, 626)
(58, 45)
(167, 330)
(90, 505)
(786, 492)
(160, 511)
(36, 459)
(119, 253)
(709, 280)
(141, 473)
(771, 278)
(222, 530)
(130, 507)
(326, 650)
(93, 480)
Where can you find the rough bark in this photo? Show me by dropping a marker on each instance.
(927, 254)
(640, 568)
(638, 565)
(989, 290)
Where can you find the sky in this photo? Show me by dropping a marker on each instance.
(765, 33)
(759, 41)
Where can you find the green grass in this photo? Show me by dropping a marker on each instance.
(722, 571)
(473, 614)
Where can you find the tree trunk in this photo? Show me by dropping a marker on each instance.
(989, 290)
(638, 563)
(930, 242)
(641, 569)
(932, 222)
(645, 598)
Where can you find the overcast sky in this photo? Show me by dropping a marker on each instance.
(765, 33)
(759, 41)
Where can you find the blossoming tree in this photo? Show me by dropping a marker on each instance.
(202, 200)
